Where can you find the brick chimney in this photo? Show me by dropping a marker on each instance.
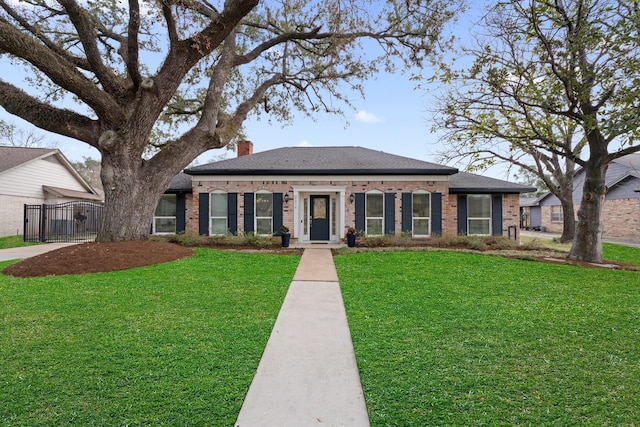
(244, 148)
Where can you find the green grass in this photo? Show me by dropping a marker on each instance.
(620, 253)
(455, 339)
(175, 344)
(14, 242)
(610, 252)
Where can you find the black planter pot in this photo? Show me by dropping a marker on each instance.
(286, 238)
(351, 240)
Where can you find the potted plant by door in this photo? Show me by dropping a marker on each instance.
(285, 236)
(351, 237)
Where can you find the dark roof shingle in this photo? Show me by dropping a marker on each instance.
(180, 183)
(464, 182)
(10, 157)
(321, 161)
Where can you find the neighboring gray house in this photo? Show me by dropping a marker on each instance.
(621, 212)
(36, 176)
(530, 213)
(318, 192)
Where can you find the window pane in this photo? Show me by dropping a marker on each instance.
(218, 204)
(421, 227)
(306, 215)
(479, 226)
(333, 216)
(556, 214)
(166, 205)
(421, 206)
(263, 226)
(319, 208)
(264, 204)
(165, 225)
(375, 205)
(374, 227)
(218, 226)
(479, 206)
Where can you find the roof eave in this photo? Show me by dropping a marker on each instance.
(493, 190)
(289, 172)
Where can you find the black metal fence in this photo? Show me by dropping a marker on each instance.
(66, 222)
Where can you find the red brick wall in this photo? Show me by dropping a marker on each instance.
(621, 218)
(510, 202)
(241, 187)
(511, 215)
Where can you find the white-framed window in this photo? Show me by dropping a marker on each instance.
(164, 218)
(218, 204)
(556, 214)
(421, 213)
(374, 213)
(264, 213)
(479, 214)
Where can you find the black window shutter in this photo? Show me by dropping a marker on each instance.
(407, 212)
(496, 215)
(436, 213)
(277, 212)
(232, 212)
(390, 213)
(203, 214)
(360, 218)
(248, 212)
(462, 214)
(181, 222)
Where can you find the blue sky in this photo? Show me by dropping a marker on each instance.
(393, 117)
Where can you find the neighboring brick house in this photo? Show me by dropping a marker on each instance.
(320, 191)
(32, 176)
(621, 210)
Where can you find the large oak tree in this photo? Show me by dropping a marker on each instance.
(153, 84)
(554, 83)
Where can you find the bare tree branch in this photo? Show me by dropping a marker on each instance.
(45, 116)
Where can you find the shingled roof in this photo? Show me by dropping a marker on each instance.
(10, 157)
(180, 183)
(321, 161)
(469, 183)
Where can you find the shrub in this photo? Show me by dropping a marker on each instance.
(190, 238)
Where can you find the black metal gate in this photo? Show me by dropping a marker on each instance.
(66, 222)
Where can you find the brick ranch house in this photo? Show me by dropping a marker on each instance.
(621, 210)
(320, 191)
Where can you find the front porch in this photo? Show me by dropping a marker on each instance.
(319, 214)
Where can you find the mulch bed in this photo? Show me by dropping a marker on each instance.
(98, 257)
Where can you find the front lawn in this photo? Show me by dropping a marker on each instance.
(175, 344)
(456, 339)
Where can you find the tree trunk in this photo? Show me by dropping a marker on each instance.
(587, 244)
(132, 192)
(568, 214)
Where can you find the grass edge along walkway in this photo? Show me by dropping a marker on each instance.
(447, 338)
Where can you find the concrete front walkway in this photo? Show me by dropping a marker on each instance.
(308, 374)
(30, 251)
